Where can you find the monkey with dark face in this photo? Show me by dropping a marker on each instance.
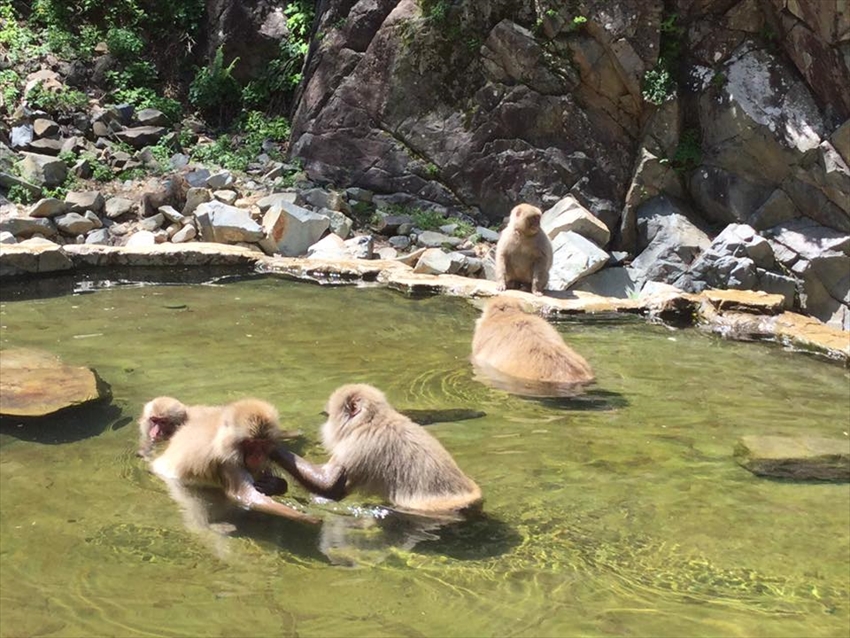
(522, 352)
(524, 252)
(229, 448)
(377, 450)
(163, 415)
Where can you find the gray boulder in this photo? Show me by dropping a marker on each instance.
(74, 224)
(141, 136)
(668, 242)
(25, 227)
(568, 214)
(80, 201)
(819, 257)
(226, 224)
(293, 228)
(48, 207)
(573, 257)
(433, 239)
(43, 170)
(275, 199)
(115, 207)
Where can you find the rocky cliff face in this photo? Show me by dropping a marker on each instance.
(736, 111)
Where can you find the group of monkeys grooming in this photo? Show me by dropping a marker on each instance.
(373, 448)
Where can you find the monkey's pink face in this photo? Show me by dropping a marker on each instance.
(161, 428)
(255, 453)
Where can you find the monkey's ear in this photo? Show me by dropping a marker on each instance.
(351, 406)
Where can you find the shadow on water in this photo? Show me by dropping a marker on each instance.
(428, 417)
(595, 399)
(66, 426)
(77, 283)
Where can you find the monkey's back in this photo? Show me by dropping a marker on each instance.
(398, 460)
(527, 347)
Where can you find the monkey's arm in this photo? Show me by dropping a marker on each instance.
(326, 480)
(240, 489)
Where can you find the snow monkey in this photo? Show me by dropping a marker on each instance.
(510, 343)
(524, 252)
(376, 449)
(163, 415)
(159, 421)
(227, 447)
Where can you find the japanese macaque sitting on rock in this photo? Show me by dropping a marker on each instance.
(524, 252)
(379, 451)
(523, 354)
(227, 447)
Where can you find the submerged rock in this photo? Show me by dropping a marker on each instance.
(804, 457)
(37, 383)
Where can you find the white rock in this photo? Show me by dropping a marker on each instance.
(573, 257)
(294, 229)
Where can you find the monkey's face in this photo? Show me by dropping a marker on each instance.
(161, 428)
(527, 219)
(255, 453)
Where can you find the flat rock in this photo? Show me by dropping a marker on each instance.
(32, 256)
(803, 457)
(37, 383)
(141, 136)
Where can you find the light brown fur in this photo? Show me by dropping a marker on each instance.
(213, 448)
(524, 252)
(525, 346)
(377, 450)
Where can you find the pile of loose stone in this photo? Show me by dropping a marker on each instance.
(273, 207)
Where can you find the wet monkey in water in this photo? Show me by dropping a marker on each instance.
(524, 252)
(162, 416)
(377, 450)
(523, 353)
(229, 448)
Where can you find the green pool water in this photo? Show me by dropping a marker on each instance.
(618, 514)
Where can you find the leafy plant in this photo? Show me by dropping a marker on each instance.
(273, 90)
(20, 195)
(9, 89)
(124, 44)
(214, 91)
(435, 10)
(659, 84)
(688, 153)
(64, 100)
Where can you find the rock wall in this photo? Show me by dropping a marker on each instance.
(475, 105)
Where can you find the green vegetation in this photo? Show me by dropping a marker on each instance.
(273, 90)
(435, 10)
(64, 100)
(21, 195)
(659, 82)
(688, 153)
(235, 151)
(215, 92)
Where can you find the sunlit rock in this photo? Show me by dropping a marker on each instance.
(37, 383)
(573, 257)
(293, 228)
(568, 215)
(31, 256)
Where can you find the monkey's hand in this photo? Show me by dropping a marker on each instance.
(326, 480)
(241, 491)
(271, 485)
